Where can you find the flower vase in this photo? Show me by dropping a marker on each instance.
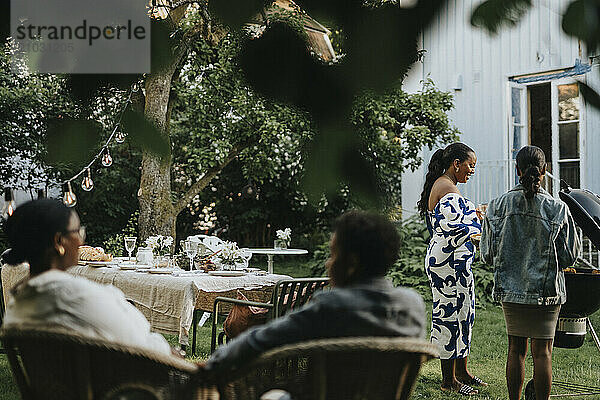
(227, 266)
(280, 244)
(161, 261)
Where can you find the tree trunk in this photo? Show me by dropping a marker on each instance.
(158, 214)
(156, 208)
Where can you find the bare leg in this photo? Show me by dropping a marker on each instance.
(541, 350)
(515, 366)
(462, 373)
(448, 378)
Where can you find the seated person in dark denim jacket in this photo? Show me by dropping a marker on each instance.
(361, 302)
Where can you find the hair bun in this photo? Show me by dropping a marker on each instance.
(12, 257)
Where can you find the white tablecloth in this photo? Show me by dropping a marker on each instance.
(167, 301)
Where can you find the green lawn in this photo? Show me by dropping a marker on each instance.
(487, 360)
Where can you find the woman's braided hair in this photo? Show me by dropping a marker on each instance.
(531, 162)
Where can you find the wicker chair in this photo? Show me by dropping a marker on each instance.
(54, 363)
(378, 368)
(288, 295)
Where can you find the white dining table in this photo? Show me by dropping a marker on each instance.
(167, 301)
(271, 252)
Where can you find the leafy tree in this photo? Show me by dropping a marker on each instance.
(28, 104)
(394, 128)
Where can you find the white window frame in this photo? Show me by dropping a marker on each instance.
(555, 136)
(525, 139)
(524, 125)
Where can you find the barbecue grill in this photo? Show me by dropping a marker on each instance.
(583, 288)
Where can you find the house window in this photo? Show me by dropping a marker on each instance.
(568, 134)
(548, 114)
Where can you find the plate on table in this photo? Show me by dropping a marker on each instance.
(226, 273)
(128, 267)
(159, 270)
(100, 263)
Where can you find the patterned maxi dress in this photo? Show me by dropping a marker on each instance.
(448, 266)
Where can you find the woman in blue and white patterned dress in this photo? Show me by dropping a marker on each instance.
(451, 220)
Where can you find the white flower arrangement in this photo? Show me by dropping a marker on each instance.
(284, 234)
(160, 245)
(230, 253)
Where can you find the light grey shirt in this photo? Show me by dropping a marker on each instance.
(57, 299)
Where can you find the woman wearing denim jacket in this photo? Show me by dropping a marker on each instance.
(529, 237)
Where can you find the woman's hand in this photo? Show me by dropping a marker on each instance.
(480, 210)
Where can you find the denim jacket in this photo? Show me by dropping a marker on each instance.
(529, 242)
(371, 308)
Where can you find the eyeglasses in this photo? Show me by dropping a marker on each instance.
(80, 232)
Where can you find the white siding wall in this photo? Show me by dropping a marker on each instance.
(485, 62)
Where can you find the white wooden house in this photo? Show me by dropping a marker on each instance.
(515, 88)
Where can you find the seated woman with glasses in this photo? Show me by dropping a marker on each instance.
(47, 235)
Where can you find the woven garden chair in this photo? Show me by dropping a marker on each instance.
(55, 363)
(288, 295)
(358, 368)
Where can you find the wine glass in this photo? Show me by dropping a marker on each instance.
(130, 244)
(481, 210)
(191, 249)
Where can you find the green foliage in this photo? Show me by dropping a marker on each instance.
(396, 126)
(320, 255)
(484, 282)
(409, 270)
(492, 14)
(581, 20)
(28, 104)
(115, 244)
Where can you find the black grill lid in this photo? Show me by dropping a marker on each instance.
(585, 208)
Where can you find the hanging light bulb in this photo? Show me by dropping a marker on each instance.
(106, 158)
(120, 136)
(87, 184)
(9, 203)
(69, 197)
(135, 87)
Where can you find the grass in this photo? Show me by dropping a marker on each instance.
(487, 360)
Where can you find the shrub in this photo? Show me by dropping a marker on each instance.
(409, 270)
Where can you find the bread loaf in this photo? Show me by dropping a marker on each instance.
(89, 253)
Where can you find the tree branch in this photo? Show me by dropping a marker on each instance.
(207, 177)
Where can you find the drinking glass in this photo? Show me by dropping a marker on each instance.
(130, 244)
(191, 249)
(481, 210)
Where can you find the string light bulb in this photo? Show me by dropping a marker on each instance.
(120, 137)
(87, 184)
(69, 197)
(9, 203)
(106, 158)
